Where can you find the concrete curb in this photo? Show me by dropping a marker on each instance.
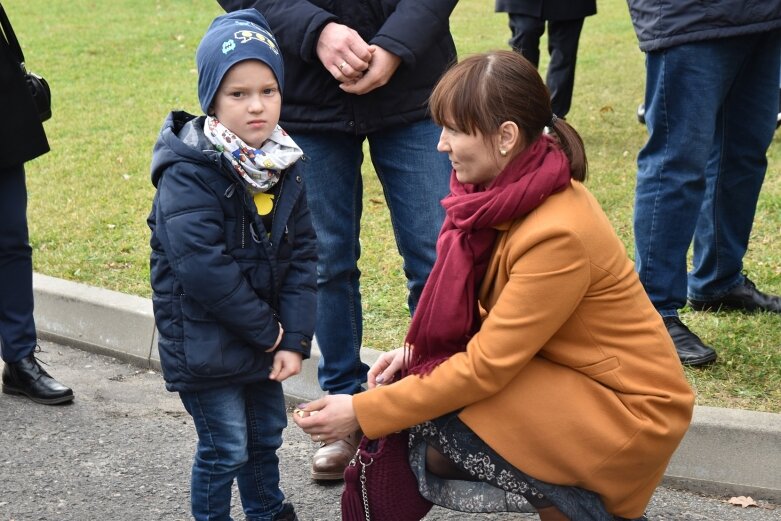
(725, 451)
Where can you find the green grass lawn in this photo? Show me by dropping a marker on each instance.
(116, 71)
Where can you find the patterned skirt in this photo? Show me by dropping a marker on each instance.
(498, 486)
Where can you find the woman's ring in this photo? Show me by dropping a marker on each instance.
(342, 66)
(317, 438)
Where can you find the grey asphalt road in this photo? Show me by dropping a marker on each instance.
(122, 451)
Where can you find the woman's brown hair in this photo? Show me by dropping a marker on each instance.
(483, 91)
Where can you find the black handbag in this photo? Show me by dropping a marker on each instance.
(39, 87)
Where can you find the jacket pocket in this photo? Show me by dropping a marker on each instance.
(599, 368)
(210, 350)
(606, 372)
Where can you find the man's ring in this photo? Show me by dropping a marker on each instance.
(317, 437)
(342, 66)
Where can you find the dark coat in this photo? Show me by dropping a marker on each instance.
(417, 31)
(22, 137)
(220, 284)
(555, 10)
(660, 24)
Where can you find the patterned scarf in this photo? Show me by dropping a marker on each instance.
(259, 167)
(447, 315)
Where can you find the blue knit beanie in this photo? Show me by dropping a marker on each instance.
(230, 39)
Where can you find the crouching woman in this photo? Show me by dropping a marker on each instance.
(535, 362)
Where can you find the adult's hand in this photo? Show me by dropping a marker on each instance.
(383, 66)
(343, 52)
(328, 419)
(386, 366)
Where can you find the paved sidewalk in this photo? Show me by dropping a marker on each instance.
(122, 451)
(726, 452)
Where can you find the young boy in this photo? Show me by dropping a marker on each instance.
(233, 267)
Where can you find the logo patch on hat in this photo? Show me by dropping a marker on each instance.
(245, 36)
(228, 46)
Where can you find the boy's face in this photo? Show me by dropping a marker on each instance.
(248, 101)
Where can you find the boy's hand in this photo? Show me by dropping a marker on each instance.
(286, 364)
(279, 339)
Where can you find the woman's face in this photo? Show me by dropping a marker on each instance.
(248, 102)
(475, 159)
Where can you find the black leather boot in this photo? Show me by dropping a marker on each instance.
(26, 377)
(743, 297)
(691, 349)
(287, 513)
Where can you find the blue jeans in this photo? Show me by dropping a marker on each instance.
(711, 110)
(414, 178)
(17, 327)
(239, 431)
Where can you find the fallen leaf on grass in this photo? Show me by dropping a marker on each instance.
(743, 501)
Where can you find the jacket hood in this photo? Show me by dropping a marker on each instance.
(181, 139)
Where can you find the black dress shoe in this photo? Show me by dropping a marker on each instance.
(28, 378)
(691, 350)
(288, 513)
(745, 297)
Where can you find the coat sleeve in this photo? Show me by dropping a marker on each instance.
(191, 230)
(298, 294)
(296, 23)
(414, 27)
(549, 276)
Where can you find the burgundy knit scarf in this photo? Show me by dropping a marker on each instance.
(447, 314)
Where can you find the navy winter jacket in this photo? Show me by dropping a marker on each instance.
(660, 24)
(417, 31)
(221, 284)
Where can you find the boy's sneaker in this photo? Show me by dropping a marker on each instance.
(288, 513)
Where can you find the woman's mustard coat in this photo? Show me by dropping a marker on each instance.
(572, 377)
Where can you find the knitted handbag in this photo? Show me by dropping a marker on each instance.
(379, 484)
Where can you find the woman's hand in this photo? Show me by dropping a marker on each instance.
(328, 419)
(387, 365)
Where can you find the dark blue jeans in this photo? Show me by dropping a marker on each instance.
(239, 431)
(17, 327)
(414, 178)
(711, 112)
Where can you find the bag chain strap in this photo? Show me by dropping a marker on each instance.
(364, 492)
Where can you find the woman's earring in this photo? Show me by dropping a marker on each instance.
(502, 152)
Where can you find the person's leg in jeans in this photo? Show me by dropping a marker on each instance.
(415, 177)
(331, 169)
(736, 170)
(525, 36)
(563, 38)
(258, 479)
(220, 420)
(684, 91)
(17, 327)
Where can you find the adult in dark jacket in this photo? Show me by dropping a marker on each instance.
(711, 102)
(359, 71)
(565, 21)
(22, 139)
